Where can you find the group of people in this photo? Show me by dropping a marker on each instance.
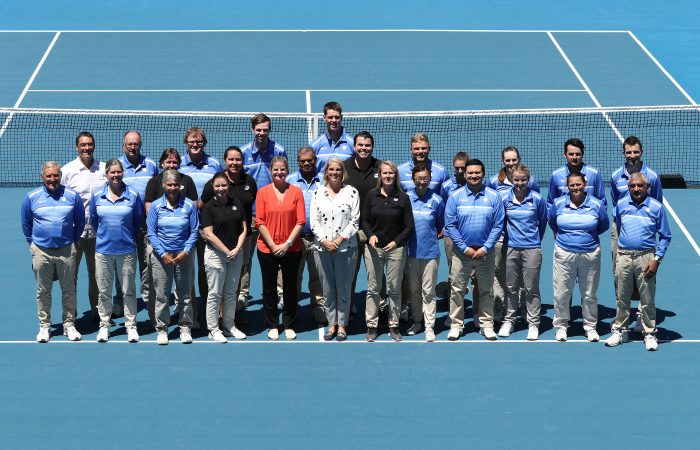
(341, 206)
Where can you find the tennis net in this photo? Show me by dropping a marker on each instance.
(670, 135)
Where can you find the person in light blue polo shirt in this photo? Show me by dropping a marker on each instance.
(173, 228)
(502, 182)
(473, 220)
(577, 219)
(573, 152)
(258, 153)
(526, 222)
(308, 180)
(420, 152)
(632, 151)
(201, 168)
(117, 214)
(335, 142)
(53, 219)
(640, 219)
(424, 251)
(138, 170)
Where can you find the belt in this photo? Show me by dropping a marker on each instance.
(635, 253)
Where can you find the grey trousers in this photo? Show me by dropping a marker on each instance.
(630, 269)
(105, 267)
(87, 246)
(163, 277)
(568, 267)
(47, 262)
(376, 260)
(336, 273)
(500, 307)
(483, 270)
(523, 266)
(222, 278)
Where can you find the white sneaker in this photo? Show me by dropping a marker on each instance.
(72, 333)
(639, 326)
(103, 334)
(235, 333)
(448, 321)
(616, 338)
(218, 336)
(561, 335)
(533, 333)
(185, 336)
(650, 342)
(592, 336)
(43, 335)
(162, 338)
(132, 335)
(415, 329)
(290, 334)
(429, 335)
(506, 329)
(273, 334)
(454, 333)
(488, 334)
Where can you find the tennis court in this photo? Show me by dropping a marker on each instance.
(311, 394)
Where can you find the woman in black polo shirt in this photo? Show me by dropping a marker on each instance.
(387, 221)
(224, 226)
(242, 187)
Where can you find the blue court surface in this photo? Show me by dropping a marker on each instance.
(308, 393)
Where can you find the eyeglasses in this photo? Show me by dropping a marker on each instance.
(423, 179)
(305, 161)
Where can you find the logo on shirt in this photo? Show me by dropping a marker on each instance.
(396, 199)
(182, 187)
(233, 208)
(486, 200)
(376, 175)
(246, 188)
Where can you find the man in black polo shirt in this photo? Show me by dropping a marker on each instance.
(362, 171)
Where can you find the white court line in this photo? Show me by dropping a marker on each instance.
(29, 83)
(384, 30)
(321, 341)
(308, 91)
(321, 331)
(619, 135)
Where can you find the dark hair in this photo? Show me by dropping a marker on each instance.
(460, 156)
(232, 148)
(632, 140)
(578, 143)
(365, 135)
(258, 119)
(218, 175)
(477, 162)
(335, 106)
(169, 151)
(306, 149)
(84, 134)
(502, 175)
(574, 175)
(420, 167)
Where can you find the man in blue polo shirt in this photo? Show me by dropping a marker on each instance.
(201, 168)
(420, 152)
(335, 142)
(632, 151)
(573, 152)
(308, 180)
(258, 153)
(53, 219)
(639, 219)
(473, 220)
(138, 170)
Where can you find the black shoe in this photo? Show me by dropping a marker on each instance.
(342, 336)
(371, 335)
(329, 335)
(394, 333)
